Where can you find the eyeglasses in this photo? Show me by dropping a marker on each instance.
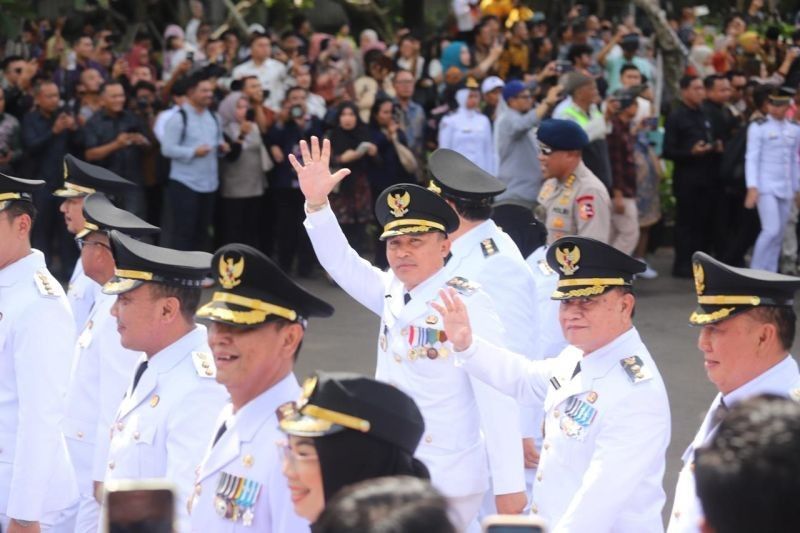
(295, 458)
(524, 96)
(81, 242)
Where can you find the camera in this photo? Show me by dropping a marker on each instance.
(296, 111)
(142, 103)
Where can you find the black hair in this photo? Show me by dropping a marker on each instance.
(746, 477)
(256, 36)
(473, 210)
(629, 66)
(144, 85)
(18, 208)
(783, 318)
(761, 95)
(107, 84)
(735, 74)
(397, 504)
(10, 59)
(577, 50)
(188, 297)
(709, 81)
(687, 80)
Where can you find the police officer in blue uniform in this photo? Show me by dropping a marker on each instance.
(772, 173)
(257, 320)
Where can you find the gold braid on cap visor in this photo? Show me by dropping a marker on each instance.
(312, 418)
(258, 309)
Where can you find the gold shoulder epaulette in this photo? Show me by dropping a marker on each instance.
(464, 286)
(635, 369)
(204, 364)
(488, 247)
(46, 283)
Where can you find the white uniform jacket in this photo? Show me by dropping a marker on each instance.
(772, 161)
(163, 428)
(606, 432)
(36, 338)
(413, 357)
(247, 455)
(550, 338)
(81, 293)
(488, 256)
(782, 379)
(101, 372)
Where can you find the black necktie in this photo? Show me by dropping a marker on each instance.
(221, 431)
(406, 298)
(719, 413)
(577, 370)
(139, 372)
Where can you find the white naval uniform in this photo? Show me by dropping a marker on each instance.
(606, 436)
(772, 165)
(101, 372)
(248, 451)
(488, 256)
(36, 338)
(782, 379)
(550, 337)
(454, 407)
(163, 428)
(81, 293)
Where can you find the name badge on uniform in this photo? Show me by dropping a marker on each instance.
(236, 498)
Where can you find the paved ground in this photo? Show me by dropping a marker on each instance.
(348, 342)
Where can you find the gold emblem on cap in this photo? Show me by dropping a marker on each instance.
(699, 278)
(434, 188)
(66, 172)
(398, 203)
(568, 259)
(230, 272)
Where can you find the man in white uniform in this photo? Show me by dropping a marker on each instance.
(168, 414)
(258, 317)
(607, 421)
(101, 367)
(80, 180)
(748, 324)
(485, 254)
(37, 485)
(413, 352)
(772, 173)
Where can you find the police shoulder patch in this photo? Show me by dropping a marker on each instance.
(488, 247)
(46, 283)
(464, 286)
(635, 369)
(204, 364)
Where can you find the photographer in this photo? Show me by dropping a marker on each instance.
(294, 124)
(115, 140)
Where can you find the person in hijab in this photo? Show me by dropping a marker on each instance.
(468, 131)
(456, 54)
(352, 147)
(347, 428)
(242, 178)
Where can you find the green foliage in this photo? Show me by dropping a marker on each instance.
(12, 12)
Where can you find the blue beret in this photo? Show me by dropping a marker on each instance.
(562, 135)
(512, 89)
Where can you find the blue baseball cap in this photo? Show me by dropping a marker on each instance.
(512, 89)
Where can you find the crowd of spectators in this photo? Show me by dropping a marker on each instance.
(204, 123)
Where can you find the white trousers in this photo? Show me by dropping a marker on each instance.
(52, 522)
(464, 512)
(625, 227)
(774, 214)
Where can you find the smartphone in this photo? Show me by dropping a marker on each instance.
(134, 506)
(562, 67)
(190, 56)
(514, 524)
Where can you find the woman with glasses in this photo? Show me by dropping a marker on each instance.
(344, 429)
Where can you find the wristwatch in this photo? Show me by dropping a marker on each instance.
(23, 523)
